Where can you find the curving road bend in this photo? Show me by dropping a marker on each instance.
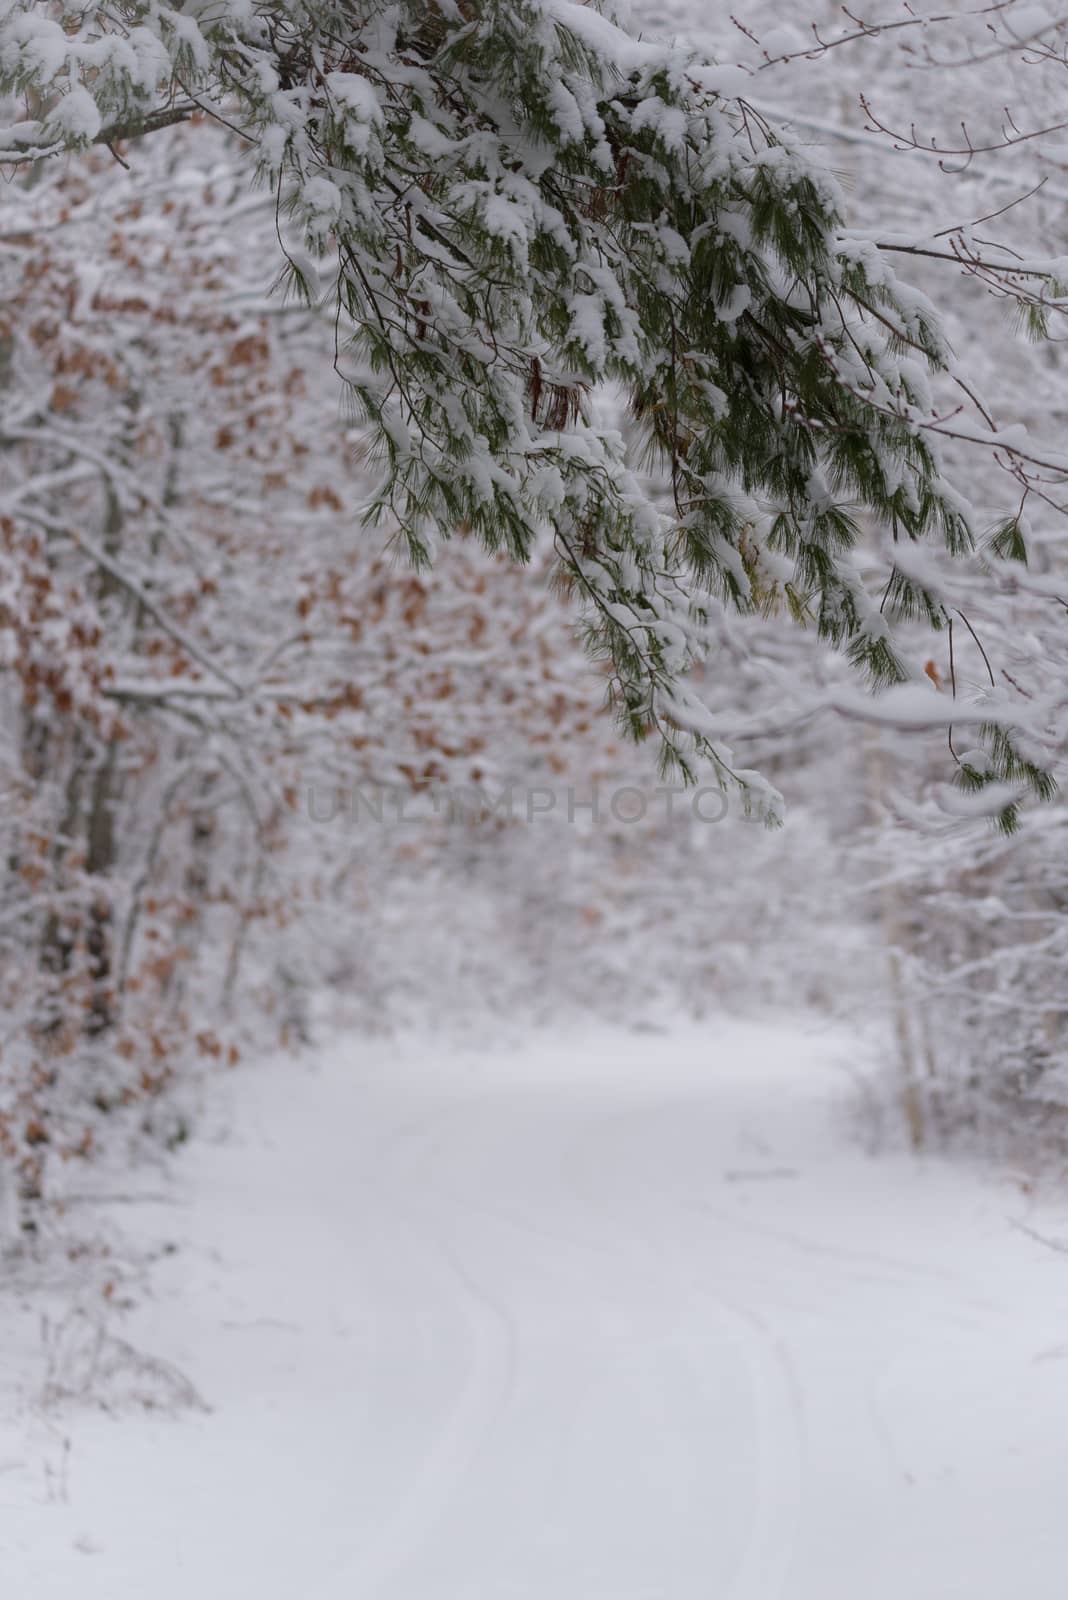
(614, 1316)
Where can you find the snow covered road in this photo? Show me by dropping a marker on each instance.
(620, 1317)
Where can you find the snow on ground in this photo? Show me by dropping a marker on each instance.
(623, 1316)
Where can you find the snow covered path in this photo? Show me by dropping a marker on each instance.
(627, 1317)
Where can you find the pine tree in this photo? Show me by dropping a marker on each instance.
(516, 209)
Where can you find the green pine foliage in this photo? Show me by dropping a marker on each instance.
(518, 210)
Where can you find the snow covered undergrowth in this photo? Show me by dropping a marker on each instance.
(605, 1316)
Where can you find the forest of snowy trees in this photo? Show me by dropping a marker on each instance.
(534, 690)
(408, 406)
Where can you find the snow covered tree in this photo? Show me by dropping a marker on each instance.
(599, 321)
(513, 208)
(195, 654)
(932, 121)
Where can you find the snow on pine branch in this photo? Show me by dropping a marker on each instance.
(523, 204)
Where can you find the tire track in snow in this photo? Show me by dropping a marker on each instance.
(779, 1404)
(487, 1384)
(777, 1395)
